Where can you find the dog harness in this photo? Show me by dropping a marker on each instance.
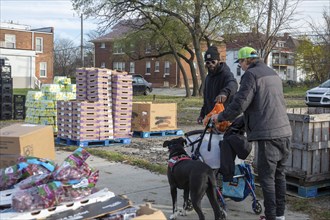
(176, 159)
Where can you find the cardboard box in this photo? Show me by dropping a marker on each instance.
(28, 140)
(7, 160)
(147, 116)
(146, 212)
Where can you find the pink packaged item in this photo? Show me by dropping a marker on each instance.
(39, 197)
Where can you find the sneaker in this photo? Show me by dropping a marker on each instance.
(280, 217)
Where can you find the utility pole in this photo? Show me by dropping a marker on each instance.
(269, 39)
(82, 42)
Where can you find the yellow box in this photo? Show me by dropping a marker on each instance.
(147, 116)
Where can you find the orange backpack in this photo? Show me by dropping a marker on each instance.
(221, 126)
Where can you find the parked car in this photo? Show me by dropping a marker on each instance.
(319, 96)
(141, 86)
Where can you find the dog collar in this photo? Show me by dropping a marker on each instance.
(176, 159)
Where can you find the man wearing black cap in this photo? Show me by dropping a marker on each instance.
(220, 83)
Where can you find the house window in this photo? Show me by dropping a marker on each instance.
(238, 71)
(157, 66)
(117, 48)
(148, 48)
(39, 44)
(43, 69)
(119, 66)
(132, 47)
(103, 65)
(148, 67)
(167, 68)
(102, 45)
(132, 67)
(235, 55)
(10, 40)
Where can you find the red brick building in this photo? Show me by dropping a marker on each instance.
(161, 72)
(30, 53)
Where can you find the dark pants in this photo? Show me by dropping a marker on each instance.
(272, 155)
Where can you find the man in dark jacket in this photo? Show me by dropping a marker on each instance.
(260, 98)
(220, 83)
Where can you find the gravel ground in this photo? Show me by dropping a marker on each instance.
(150, 149)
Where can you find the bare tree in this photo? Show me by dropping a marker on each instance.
(66, 56)
(268, 19)
(200, 17)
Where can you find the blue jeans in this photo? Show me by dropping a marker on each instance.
(272, 156)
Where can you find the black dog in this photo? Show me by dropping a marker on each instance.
(194, 177)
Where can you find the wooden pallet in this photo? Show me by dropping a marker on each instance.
(147, 134)
(296, 187)
(91, 143)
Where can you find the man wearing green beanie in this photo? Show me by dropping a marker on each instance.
(260, 99)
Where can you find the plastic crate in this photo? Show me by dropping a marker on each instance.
(6, 98)
(19, 99)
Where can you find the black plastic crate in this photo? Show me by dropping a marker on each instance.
(19, 115)
(19, 99)
(19, 106)
(6, 81)
(5, 75)
(5, 69)
(6, 115)
(6, 88)
(6, 98)
(6, 107)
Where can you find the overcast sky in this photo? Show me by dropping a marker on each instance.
(66, 22)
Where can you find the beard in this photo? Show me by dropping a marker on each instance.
(212, 70)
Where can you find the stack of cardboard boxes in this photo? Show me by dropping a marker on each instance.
(42, 105)
(122, 98)
(103, 108)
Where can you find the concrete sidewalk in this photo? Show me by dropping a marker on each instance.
(141, 186)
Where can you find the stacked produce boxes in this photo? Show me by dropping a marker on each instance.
(122, 99)
(42, 105)
(103, 107)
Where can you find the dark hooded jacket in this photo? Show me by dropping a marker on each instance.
(218, 83)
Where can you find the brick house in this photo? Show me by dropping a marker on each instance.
(30, 53)
(281, 58)
(161, 72)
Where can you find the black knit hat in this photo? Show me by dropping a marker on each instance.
(212, 54)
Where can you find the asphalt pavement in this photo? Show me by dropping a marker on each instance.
(169, 91)
(142, 186)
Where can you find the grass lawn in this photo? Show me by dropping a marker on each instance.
(188, 108)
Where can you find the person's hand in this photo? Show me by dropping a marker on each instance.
(221, 98)
(200, 120)
(214, 118)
